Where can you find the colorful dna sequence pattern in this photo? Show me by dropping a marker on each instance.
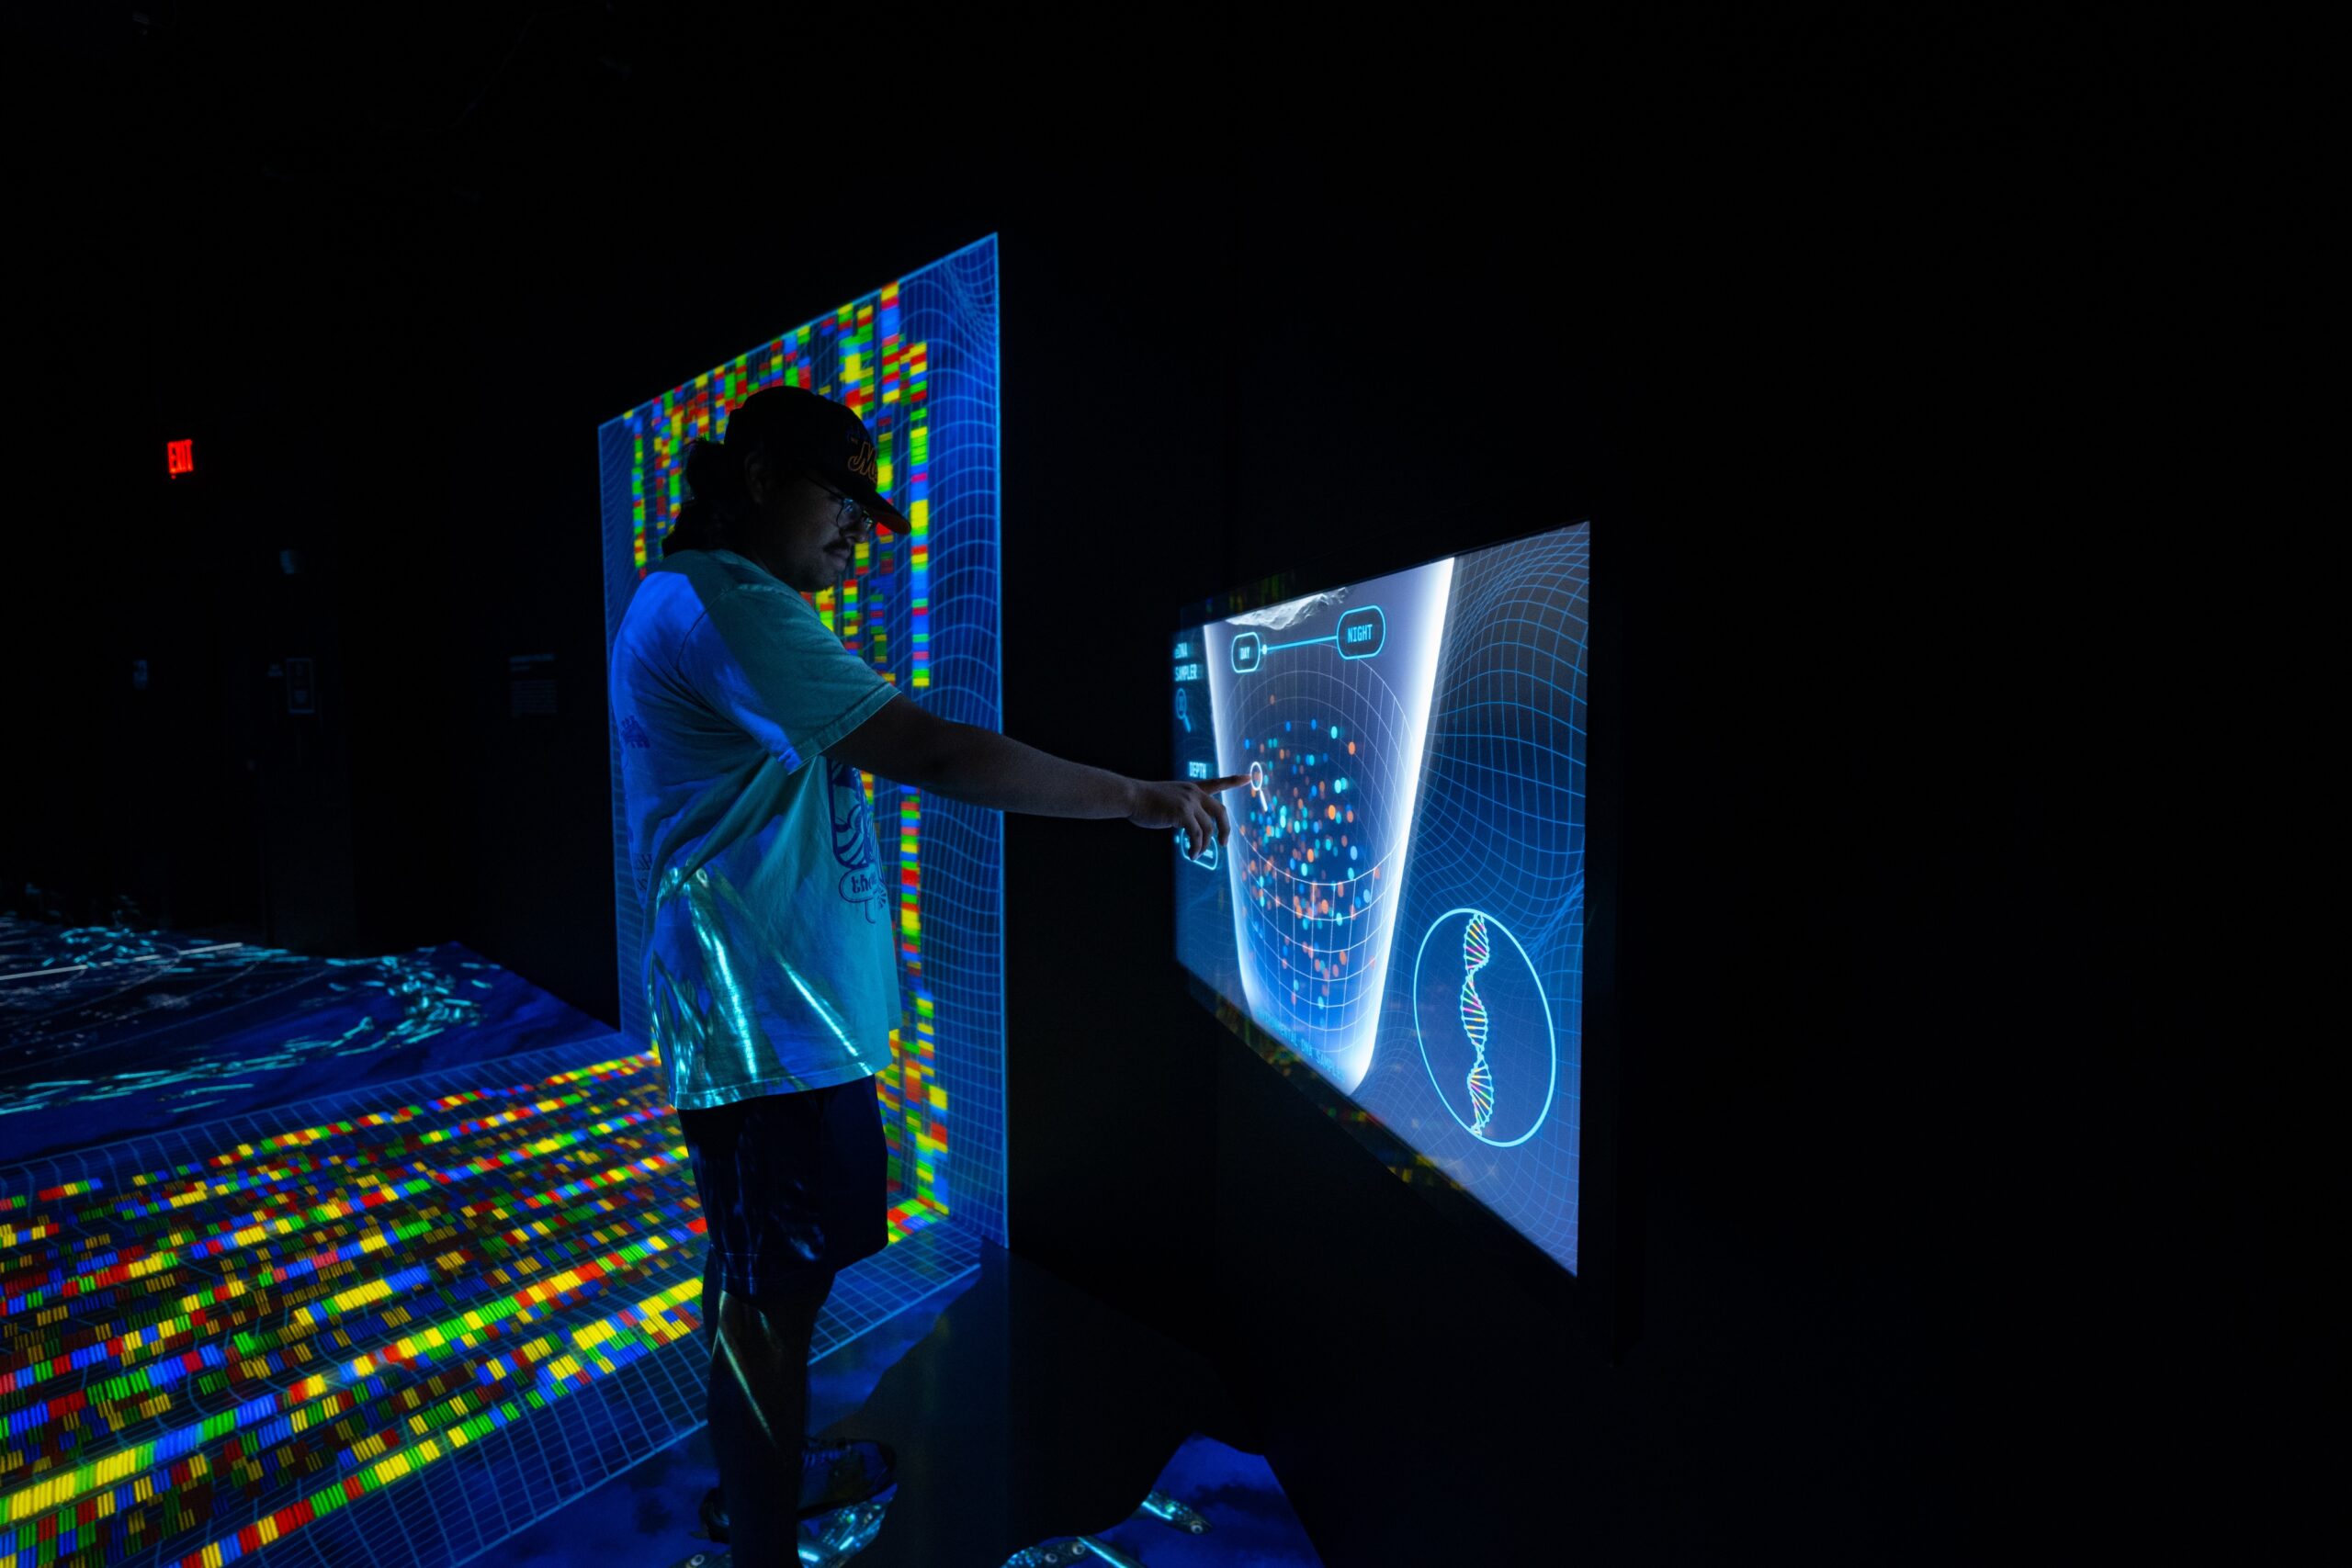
(199, 1359)
(1474, 1022)
(857, 355)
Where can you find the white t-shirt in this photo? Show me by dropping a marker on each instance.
(770, 964)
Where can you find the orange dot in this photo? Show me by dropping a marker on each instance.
(1351, 748)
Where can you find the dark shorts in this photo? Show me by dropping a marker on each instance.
(794, 1187)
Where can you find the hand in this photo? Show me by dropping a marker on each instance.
(1188, 804)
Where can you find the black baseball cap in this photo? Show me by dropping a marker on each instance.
(812, 433)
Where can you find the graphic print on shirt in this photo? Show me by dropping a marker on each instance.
(853, 844)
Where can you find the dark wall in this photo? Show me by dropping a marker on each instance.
(1884, 913)
(1889, 906)
(278, 330)
(1895, 605)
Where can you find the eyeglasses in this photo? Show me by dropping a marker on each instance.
(853, 518)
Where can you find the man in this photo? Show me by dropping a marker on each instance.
(770, 967)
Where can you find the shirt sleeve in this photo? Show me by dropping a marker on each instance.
(762, 659)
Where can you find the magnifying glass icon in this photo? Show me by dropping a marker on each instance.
(1258, 783)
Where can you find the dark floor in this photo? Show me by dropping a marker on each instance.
(1022, 1412)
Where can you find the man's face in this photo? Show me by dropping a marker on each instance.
(805, 533)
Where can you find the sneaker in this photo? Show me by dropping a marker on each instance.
(834, 1475)
(713, 1516)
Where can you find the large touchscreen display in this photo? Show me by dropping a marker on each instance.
(1401, 902)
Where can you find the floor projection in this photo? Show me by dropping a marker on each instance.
(428, 1310)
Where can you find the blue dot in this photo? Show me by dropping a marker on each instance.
(1335, 732)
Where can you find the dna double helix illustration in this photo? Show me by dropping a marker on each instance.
(1474, 1023)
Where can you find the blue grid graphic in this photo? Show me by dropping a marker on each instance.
(952, 306)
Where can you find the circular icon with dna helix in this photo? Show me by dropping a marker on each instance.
(1474, 957)
(1485, 1027)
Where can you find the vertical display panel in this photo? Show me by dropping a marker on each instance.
(916, 359)
(1400, 907)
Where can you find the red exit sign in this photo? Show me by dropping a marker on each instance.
(182, 454)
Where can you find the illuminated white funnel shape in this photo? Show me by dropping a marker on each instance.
(1313, 922)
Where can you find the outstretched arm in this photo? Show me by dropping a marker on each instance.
(966, 762)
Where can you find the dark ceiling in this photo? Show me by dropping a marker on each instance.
(397, 142)
(517, 123)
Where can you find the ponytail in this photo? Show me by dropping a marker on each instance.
(715, 480)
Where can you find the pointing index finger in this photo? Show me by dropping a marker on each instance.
(1215, 785)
